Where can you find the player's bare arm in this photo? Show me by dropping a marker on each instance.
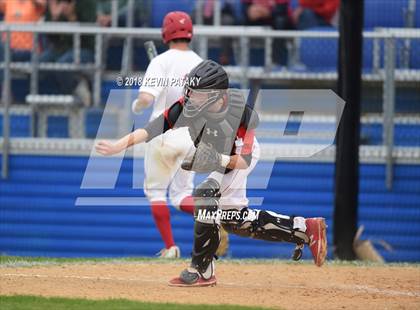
(153, 129)
(106, 147)
(143, 101)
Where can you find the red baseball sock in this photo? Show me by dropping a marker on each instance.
(187, 205)
(161, 215)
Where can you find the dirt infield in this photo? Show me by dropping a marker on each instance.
(278, 285)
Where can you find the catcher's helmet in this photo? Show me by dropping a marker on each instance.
(206, 84)
(176, 25)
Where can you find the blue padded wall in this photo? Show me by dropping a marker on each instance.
(38, 214)
(384, 13)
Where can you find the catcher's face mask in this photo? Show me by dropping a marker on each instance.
(198, 100)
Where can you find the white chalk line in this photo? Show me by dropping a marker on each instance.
(369, 289)
(346, 287)
(23, 275)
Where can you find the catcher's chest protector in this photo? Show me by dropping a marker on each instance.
(219, 131)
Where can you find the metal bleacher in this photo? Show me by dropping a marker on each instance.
(407, 128)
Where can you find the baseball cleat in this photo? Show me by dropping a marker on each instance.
(172, 252)
(316, 230)
(192, 278)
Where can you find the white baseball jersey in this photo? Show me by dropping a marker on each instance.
(164, 75)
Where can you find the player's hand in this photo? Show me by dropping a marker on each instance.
(107, 148)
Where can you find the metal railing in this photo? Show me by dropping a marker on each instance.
(388, 76)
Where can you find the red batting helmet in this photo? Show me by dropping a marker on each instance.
(176, 25)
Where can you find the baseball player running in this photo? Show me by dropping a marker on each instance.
(162, 86)
(222, 128)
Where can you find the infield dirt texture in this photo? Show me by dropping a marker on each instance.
(270, 284)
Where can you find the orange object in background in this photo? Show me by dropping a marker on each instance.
(22, 11)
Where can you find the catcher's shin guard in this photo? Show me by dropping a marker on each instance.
(206, 242)
(206, 227)
(269, 226)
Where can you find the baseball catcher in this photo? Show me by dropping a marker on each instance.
(164, 154)
(222, 127)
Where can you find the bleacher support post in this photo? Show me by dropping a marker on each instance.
(114, 13)
(389, 109)
(347, 151)
(34, 65)
(217, 13)
(409, 16)
(76, 48)
(6, 101)
(198, 16)
(268, 63)
(98, 70)
(244, 43)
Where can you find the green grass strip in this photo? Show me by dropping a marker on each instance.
(23, 302)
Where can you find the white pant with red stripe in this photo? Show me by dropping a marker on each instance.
(162, 166)
(234, 183)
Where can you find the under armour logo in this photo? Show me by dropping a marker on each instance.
(213, 132)
(182, 20)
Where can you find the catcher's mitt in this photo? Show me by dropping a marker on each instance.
(205, 159)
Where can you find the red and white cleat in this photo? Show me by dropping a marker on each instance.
(316, 230)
